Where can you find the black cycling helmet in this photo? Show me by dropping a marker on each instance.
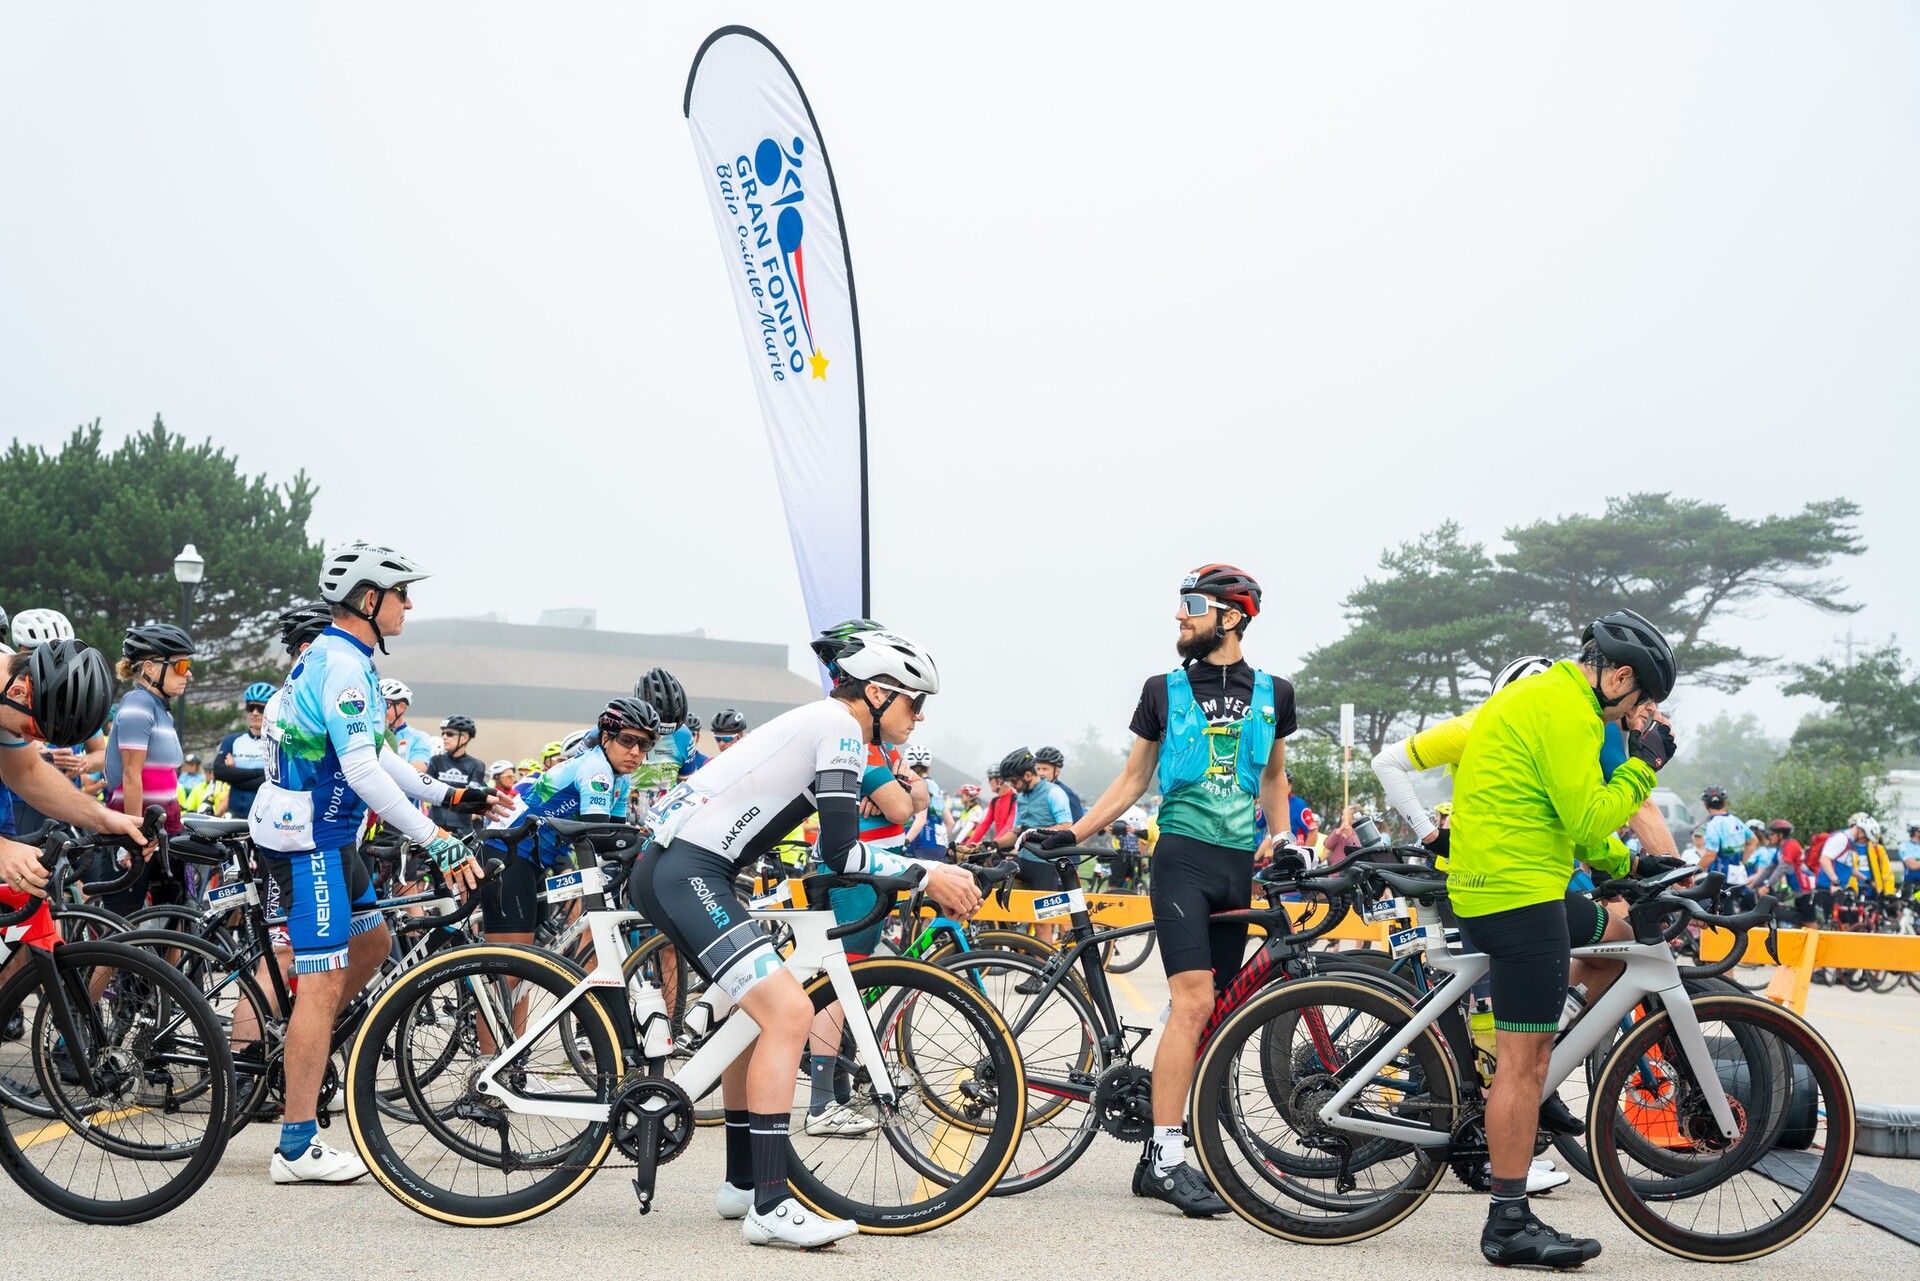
(1226, 583)
(728, 721)
(625, 714)
(828, 645)
(1715, 797)
(1051, 756)
(1017, 764)
(156, 640)
(692, 723)
(460, 725)
(72, 691)
(303, 624)
(659, 688)
(1625, 639)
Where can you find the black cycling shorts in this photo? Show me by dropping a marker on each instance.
(1527, 948)
(1190, 880)
(687, 892)
(511, 900)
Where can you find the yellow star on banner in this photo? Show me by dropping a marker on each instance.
(819, 364)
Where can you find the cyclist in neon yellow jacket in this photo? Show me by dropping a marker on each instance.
(1529, 799)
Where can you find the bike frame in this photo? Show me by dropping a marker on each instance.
(813, 954)
(1650, 972)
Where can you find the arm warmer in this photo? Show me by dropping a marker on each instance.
(412, 781)
(372, 784)
(244, 777)
(837, 793)
(1394, 768)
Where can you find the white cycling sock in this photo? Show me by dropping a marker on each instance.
(1169, 1148)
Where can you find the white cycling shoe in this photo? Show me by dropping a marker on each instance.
(731, 1202)
(839, 1122)
(1541, 1176)
(793, 1224)
(318, 1164)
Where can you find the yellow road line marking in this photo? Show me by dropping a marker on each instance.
(943, 1149)
(60, 1129)
(1855, 1018)
(1134, 996)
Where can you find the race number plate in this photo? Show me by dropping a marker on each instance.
(1386, 909)
(1049, 906)
(1407, 942)
(579, 883)
(222, 897)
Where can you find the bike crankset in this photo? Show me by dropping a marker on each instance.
(1123, 1101)
(651, 1102)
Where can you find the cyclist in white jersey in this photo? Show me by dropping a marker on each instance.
(723, 818)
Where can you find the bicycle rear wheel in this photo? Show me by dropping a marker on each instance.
(452, 1153)
(150, 1132)
(1726, 1204)
(959, 1097)
(1128, 953)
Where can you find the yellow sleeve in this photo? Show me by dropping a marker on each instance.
(1441, 744)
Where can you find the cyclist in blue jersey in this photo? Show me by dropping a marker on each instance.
(1725, 835)
(241, 762)
(1052, 761)
(694, 757)
(1038, 804)
(927, 834)
(326, 767)
(410, 743)
(593, 784)
(1909, 857)
(666, 763)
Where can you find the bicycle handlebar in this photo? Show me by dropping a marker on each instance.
(58, 842)
(887, 890)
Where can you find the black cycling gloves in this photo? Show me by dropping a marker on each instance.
(1654, 744)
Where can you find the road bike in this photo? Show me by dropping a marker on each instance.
(1326, 1111)
(497, 1138)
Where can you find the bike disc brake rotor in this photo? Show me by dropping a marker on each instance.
(1123, 1100)
(661, 1099)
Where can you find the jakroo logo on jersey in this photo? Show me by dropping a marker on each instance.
(766, 192)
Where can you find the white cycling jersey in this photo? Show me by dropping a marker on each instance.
(750, 796)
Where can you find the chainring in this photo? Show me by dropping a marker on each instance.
(673, 1108)
(1467, 1153)
(1123, 1101)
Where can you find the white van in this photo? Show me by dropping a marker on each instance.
(1680, 820)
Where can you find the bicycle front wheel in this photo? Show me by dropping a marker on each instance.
(958, 1097)
(449, 1151)
(149, 1131)
(1713, 1197)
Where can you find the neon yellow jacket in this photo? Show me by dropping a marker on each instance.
(1530, 798)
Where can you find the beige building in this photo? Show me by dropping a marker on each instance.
(527, 686)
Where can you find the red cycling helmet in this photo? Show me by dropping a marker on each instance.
(1226, 583)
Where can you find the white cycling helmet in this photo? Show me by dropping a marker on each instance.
(347, 567)
(570, 745)
(1526, 665)
(914, 754)
(888, 658)
(394, 691)
(498, 768)
(1865, 822)
(38, 626)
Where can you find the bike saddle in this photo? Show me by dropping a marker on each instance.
(209, 828)
(1414, 882)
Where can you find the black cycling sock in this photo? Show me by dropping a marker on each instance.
(739, 1149)
(1507, 1191)
(768, 1132)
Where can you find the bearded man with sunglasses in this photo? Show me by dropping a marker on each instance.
(1211, 736)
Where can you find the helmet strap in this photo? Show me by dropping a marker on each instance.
(371, 616)
(877, 712)
(152, 685)
(21, 707)
(1606, 703)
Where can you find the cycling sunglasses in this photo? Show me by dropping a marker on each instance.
(919, 699)
(1193, 605)
(633, 742)
(178, 666)
(725, 739)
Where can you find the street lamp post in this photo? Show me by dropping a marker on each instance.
(188, 570)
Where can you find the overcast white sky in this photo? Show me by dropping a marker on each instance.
(1278, 284)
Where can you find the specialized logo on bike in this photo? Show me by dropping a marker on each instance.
(353, 702)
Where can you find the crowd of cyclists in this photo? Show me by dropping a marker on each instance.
(1551, 787)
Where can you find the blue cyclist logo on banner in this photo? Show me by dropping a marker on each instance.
(765, 191)
(778, 170)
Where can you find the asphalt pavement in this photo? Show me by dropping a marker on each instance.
(1083, 1224)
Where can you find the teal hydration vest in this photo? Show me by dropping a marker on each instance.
(1185, 754)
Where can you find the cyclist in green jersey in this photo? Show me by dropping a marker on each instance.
(1530, 797)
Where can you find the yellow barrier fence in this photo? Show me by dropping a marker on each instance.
(1804, 951)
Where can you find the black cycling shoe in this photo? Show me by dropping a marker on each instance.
(1513, 1237)
(1556, 1118)
(1182, 1188)
(1030, 986)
